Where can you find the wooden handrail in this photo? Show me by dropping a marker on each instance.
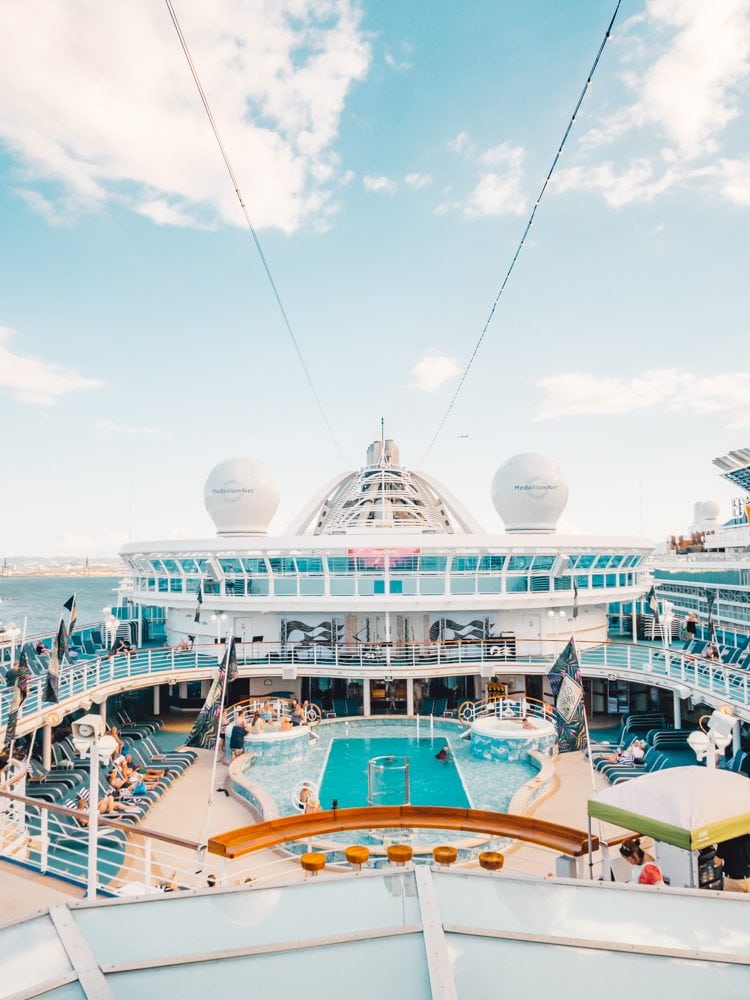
(247, 839)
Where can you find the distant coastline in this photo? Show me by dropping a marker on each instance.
(23, 572)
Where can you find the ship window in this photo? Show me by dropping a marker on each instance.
(203, 565)
(519, 563)
(230, 565)
(404, 564)
(371, 564)
(563, 583)
(189, 565)
(582, 582)
(170, 565)
(163, 585)
(255, 565)
(311, 566)
(433, 564)
(258, 586)
(516, 584)
(175, 586)
(490, 584)
(284, 567)
(543, 562)
(191, 586)
(340, 564)
(396, 586)
(616, 561)
(597, 580)
(464, 564)
(539, 583)
(602, 561)
(611, 579)
(584, 562)
(156, 563)
(491, 564)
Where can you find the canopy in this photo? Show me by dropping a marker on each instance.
(690, 807)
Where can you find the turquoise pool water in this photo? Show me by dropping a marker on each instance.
(486, 785)
(432, 782)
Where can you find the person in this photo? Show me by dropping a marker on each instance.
(107, 806)
(712, 653)
(734, 859)
(41, 650)
(223, 725)
(257, 725)
(211, 881)
(443, 754)
(285, 724)
(183, 646)
(267, 713)
(298, 716)
(418, 695)
(635, 856)
(651, 875)
(309, 800)
(691, 626)
(114, 732)
(528, 724)
(237, 736)
(633, 755)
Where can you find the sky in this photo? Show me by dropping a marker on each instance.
(389, 155)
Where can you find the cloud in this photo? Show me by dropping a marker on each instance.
(461, 144)
(433, 371)
(108, 428)
(379, 184)
(33, 381)
(418, 180)
(578, 394)
(127, 126)
(498, 193)
(686, 63)
(396, 64)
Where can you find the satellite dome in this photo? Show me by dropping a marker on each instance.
(710, 510)
(529, 493)
(241, 497)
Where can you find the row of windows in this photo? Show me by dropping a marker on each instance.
(376, 564)
(366, 586)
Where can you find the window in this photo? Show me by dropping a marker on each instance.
(340, 564)
(189, 565)
(283, 567)
(432, 564)
(170, 565)
(602, 561)
(584, 562)
(517, 584)
(543, 562)
(255, 566)
(464, 564)
(311, 566)
(517, 564)
(491, 564)
(230, 566)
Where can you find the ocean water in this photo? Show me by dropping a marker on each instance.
(40, 600)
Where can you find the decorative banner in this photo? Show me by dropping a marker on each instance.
(24, 673)
(567, 688)
(10, 729)
(199, 602)
(71, 606)
(56, 660)
(575, 598)
(653, 604)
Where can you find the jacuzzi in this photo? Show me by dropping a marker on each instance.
(271, 747)
(499, 739)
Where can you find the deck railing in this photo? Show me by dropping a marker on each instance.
(92, 680)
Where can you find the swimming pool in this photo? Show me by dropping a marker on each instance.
(483, 784)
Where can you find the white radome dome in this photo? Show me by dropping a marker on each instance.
(241, 496)
(529, 493)
(710, 510)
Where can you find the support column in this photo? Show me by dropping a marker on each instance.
(736, 738)
(47, 748)
(634, 621)
(677, 709)
(103, 711)
(410, 696)
(157, 699)
(477, 687)
(182, 690)
(366, 695)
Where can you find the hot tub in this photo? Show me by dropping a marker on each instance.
(500, 739)
(271, 747)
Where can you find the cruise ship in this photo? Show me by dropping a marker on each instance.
(396, 799)
(706, 572)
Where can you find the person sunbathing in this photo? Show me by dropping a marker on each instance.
(107, 806)
(630, 757)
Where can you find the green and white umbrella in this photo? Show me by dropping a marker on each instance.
(690, 807)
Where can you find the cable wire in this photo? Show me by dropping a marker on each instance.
(254, 234)
(522, 241)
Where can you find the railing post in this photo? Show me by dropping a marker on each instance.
(744, 682)
(172, 663)
(627, 656)
(44, 839)
(147, 863)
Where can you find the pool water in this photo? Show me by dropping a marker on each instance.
(432, 782)
(487, 784)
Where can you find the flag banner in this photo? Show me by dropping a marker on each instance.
(71, 606)
(56, 660)
(231, 661)
(10, 729)
(575, 599)
(567, 688)
(198, 602)
(206, 727)
(24, 674)
(653, 604)
(710, 624)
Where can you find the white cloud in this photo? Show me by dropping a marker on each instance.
(108, 428)
(31, 380)
(398, 66)
(499, 193)
(126, 122)
(736, 181)
(379, 184)
(687, 63)
(433, 371)
(461, 143)
(578, 393)
(418, 180)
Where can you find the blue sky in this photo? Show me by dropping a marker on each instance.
(389, 154)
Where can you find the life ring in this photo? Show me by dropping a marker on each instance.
(300, 800)
(313, 715)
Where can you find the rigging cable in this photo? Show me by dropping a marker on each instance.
(254, 234)
(522, 241)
